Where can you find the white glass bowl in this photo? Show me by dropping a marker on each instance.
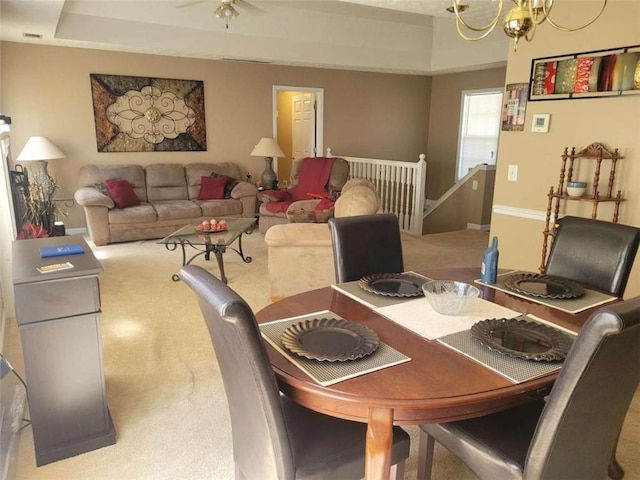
(449, 297)
(576, 189)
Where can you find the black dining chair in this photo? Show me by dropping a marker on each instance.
(594, 252)
(274, 437)
(365, 245)
(573, 435)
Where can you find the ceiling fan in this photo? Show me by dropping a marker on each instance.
(228, 9)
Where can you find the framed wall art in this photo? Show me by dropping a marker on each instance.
(514, 106)
(144, 114)
(599, 73)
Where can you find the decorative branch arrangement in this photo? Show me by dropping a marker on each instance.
(40, 207)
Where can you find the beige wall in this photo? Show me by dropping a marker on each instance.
(46, 91)
(444, 123)
(612, 121)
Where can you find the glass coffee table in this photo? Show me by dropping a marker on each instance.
(188, 237)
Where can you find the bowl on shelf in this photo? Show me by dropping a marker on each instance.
(576, 189)
(449, 297)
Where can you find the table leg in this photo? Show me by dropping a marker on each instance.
(172, 246)
(239, 251)
(218, 251)
(379, 439)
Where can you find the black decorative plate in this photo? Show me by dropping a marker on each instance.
(543, 286)
(393, 284)
(522, 338)
(330, 339)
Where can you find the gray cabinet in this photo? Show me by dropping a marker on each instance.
(58, 316)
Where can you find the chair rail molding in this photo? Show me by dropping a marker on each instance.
(520, 212)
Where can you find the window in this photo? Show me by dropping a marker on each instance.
(479, 129)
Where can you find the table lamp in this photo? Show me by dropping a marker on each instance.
(267, 148)
(40, 150)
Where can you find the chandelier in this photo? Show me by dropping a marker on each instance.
(520, 21)
(226, 11)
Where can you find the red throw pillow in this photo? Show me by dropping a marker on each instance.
(212, 188)
(122, 193)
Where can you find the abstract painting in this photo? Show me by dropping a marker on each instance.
(144, 114)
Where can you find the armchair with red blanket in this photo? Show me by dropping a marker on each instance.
(314, 181)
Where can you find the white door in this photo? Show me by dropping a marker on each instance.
(304, 125)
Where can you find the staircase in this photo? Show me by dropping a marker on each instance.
(466, 205)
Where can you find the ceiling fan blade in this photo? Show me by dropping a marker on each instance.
(249, 7)
(189, 4)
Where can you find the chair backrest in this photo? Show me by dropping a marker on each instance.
(365, 245)
(261, 446)
(594, 252)
(579, 426)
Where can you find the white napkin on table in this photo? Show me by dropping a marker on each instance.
(418, 316)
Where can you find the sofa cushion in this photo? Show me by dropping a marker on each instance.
(92, 174)
(220, 208)
(177, 209)
(165, 181)
(229, 185)
(212, 188)
(195, 171)
(142, 213)
(122, 193)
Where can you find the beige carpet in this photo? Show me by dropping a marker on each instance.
(164, 389)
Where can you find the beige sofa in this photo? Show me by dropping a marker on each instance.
(300, 255)
(168, 193)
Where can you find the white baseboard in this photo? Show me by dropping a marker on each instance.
(76, 231)
(475, 226)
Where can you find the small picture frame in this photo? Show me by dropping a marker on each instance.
(540, 122)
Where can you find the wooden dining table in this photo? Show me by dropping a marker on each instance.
(438, 385)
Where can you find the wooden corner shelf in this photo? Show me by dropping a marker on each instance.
(598, 153)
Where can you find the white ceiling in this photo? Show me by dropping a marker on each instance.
(399, 36)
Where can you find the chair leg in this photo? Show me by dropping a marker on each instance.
(426, 447)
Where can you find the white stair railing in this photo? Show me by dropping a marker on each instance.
(400, 185)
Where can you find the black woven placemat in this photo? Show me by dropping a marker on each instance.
(591, 298)
(328, 373)
(515, 369)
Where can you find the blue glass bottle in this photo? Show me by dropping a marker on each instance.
(489, 271)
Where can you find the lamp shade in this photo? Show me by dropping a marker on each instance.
(267, 147)
(40, 148)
